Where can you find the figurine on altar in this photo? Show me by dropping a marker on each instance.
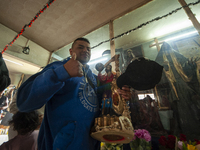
(106, 105)
(104, 81)
(108, 77)
(106, 88)
(113, 125)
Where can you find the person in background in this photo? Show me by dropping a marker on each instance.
(13, 110)
(6, 98)
(68, 89)
(3, 103)
(4, 75)
(4, 83)
(25, 124)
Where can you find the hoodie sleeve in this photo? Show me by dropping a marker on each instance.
(41, 87)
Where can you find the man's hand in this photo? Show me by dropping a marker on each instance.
(74, 67)
(125, 92)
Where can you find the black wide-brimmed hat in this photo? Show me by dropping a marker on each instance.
(141, 74)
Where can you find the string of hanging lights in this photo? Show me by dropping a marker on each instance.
(28, 25)
(118, 36)
(146, 23)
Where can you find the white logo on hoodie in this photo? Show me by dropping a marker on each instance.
(87, 96)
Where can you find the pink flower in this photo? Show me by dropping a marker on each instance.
(145, 131)
(147, 137)
(180, 145)
(139, 133)
(142, 134)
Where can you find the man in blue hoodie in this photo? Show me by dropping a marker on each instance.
(68, 89)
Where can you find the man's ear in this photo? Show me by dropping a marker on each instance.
(70, 51)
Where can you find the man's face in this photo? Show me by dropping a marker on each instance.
(82, 50)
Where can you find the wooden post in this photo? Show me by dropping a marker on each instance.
(20, 81)
(190, 15)
(112, 42)
(49, 57)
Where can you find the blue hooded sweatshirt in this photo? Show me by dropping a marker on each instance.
(71, 106)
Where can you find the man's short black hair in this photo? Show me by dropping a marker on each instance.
(81, 39)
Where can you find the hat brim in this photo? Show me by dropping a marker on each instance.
(124, 79)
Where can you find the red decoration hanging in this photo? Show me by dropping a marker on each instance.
(29, 25)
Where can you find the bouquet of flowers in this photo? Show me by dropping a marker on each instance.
(184, 145)
(167, 143)
(173, 143)
(141, 140)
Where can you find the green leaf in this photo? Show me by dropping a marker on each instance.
(140, 147)
(184, 146)
(194, 143)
